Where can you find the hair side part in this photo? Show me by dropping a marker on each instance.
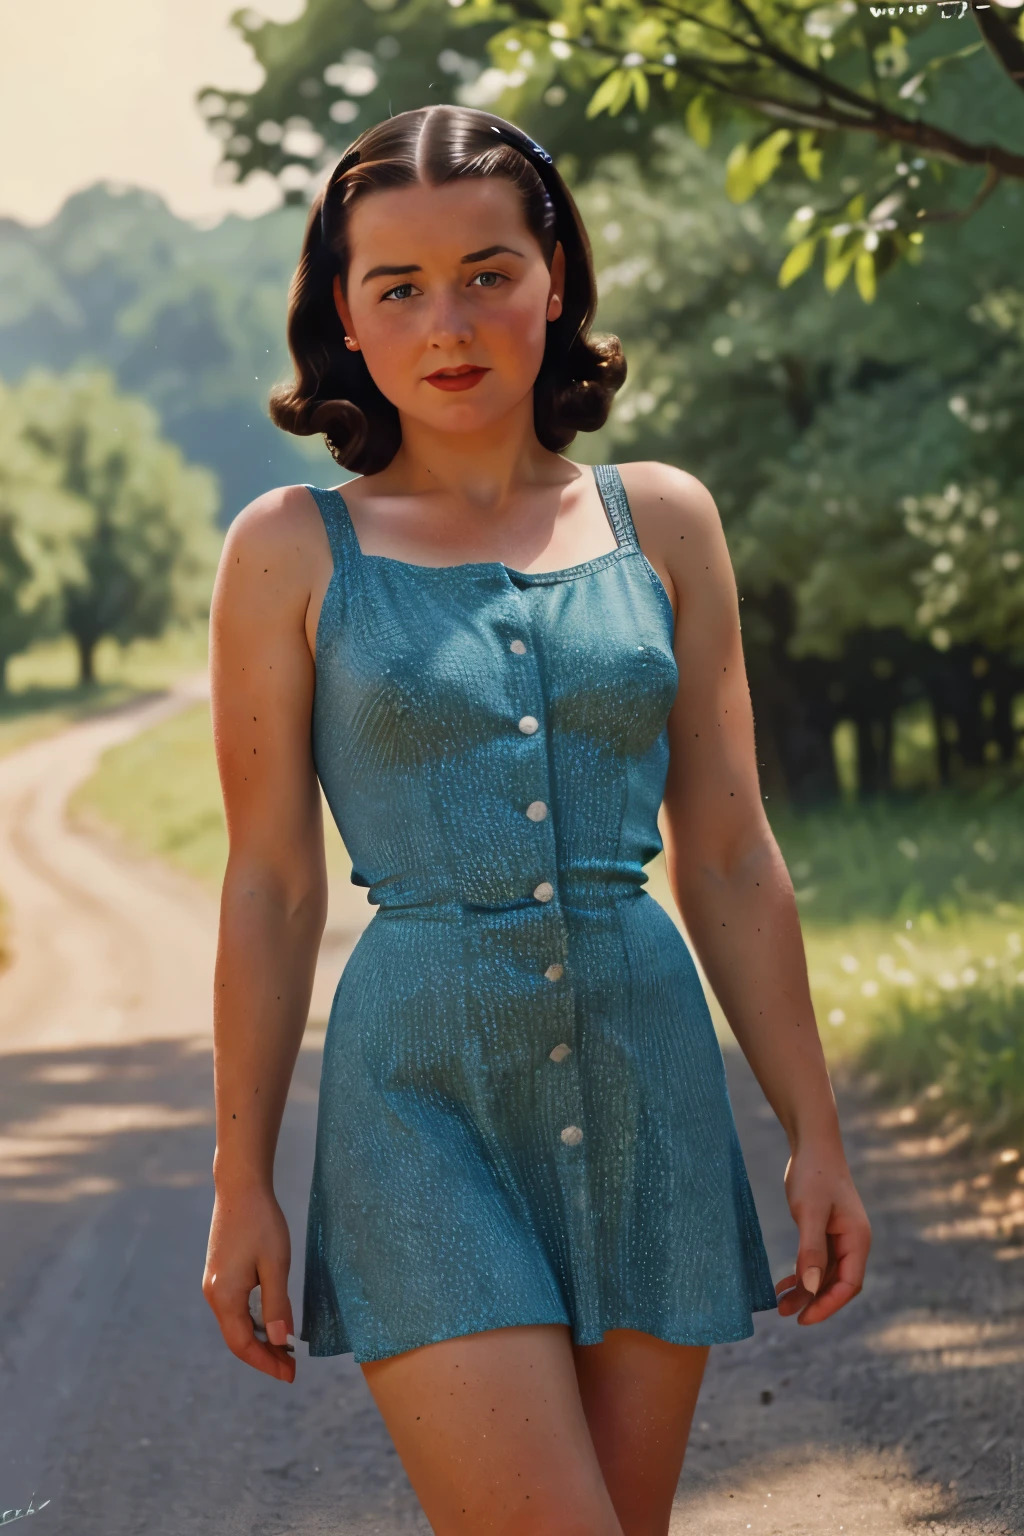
(333, 392)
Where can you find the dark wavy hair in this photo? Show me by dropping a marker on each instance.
(333, 392)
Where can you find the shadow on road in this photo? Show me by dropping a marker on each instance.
(128, 1412)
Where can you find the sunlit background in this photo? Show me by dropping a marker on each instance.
(105, 91)
(826, 326)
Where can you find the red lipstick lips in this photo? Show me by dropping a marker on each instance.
(466, 376)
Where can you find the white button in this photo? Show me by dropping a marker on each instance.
(554, 972)
(544, 891)
(572, 1135)
(559, 1053)
(528, 725)
(536, 810)
(518, 647)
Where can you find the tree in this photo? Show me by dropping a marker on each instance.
(896, 123)
(794, 80)
(38, 523)
(192, 320)
(144, 543)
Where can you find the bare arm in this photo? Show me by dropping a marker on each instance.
(732, 886)
(273, 901)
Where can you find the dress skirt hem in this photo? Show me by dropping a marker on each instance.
(696, 1337)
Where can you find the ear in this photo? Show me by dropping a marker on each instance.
(556, 297)
(344, 314)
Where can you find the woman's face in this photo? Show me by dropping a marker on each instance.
(448, 297)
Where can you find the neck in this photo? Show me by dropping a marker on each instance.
(480, 470)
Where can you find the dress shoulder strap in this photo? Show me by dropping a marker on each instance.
(613, 494)
(340, 532)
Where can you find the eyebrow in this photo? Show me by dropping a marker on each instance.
(484, 255)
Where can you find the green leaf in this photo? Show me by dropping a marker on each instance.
(864, 274)
(797, 262)
(698, 121)
(747, 169)
(838, 260)
(612, 94)
(641, 88)
(809, 155)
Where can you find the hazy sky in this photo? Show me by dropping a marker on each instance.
(96, 90)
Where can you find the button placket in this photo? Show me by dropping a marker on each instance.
(559, 1011)
(537, 810)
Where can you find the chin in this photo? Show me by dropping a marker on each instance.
(462, 416)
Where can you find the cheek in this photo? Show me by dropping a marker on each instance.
(391, 343)
(515, 336)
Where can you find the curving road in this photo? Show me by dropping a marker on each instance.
(120, 1409)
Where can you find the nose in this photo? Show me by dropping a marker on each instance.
(450, 324)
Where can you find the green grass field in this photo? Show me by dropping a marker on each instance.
(912, 917)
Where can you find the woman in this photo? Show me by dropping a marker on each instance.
(529, 1215)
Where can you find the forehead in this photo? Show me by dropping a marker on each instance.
(438, 224)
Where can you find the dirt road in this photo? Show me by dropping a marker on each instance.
(120, 1409)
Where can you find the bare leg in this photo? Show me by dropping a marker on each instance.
(639, 1394)
(491, 1431)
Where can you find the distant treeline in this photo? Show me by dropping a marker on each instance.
(191, 319)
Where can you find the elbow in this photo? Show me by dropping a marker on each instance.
(728, 865)
(292, 897)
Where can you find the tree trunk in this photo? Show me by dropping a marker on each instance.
(86, 652)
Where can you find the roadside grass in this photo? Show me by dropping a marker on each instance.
(161, 794)
(914, 925)
(43, 695)
(912, 915)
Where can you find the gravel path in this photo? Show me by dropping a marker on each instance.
(119, 1404)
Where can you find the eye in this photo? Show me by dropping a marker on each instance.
(400, 291)
(490, 279)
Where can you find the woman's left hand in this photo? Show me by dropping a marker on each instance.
(835, 1235)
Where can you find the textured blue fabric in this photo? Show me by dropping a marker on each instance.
(465, 1177)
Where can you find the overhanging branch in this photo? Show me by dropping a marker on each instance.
(1003, 44)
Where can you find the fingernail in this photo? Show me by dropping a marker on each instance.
(277, 1331)
(811, 1280)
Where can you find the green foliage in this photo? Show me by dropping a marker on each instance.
(38, 523)
(336, 69)
(191, 319)
(939, 857)
(959, 1047)
(142, 546)
(750, 166)
(823, 78)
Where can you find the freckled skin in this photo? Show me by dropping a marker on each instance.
(593, 1437)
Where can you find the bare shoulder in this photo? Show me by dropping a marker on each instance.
(680, 531)
(272, 523)
(664, 500)
(275, 551)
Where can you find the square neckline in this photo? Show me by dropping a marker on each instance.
(623, 546)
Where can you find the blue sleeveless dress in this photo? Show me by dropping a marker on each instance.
(523, 1114)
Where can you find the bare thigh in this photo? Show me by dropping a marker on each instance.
(638, 1395)
(491, 1431)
